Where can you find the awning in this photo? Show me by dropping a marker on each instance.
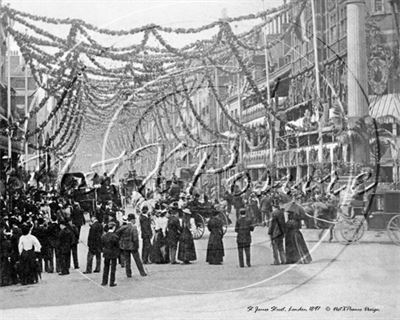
(385, 108)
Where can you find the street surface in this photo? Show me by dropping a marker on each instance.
(362, 275)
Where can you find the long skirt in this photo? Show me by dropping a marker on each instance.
(160, 250)
(296, 248)
(186, 248)
(215, 249)
(29, 270)
(6, 272)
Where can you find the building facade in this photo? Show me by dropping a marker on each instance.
(295, 144)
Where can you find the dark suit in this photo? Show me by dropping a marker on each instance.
(277, 230)
(147, 233)
(174, 230)
(94, 245)
(243, 229)
(77, 218)
(110, 245)
(74, 248)
(129, 243)
(66, 238)
(52, 233)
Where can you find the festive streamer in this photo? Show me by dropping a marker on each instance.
(197, 116)
(232, 161)
(12, 13)
(160, 154)
(179, 147)
(197, 174)
(108, 161)
(333, 180)
(231, 182)
(64, 170)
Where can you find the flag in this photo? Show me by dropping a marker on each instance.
(300, 25)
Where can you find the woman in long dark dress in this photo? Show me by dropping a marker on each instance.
(295, 246)
(186, 249)
(160, 252)
(215, 247)
(5, 258)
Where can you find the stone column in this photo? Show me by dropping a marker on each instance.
(357, 81)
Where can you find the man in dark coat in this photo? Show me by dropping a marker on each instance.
(77, 217)
(174, 190)
(65, 242)
(174, 230)
(94, 245)
(243, 229)
(129, 243)
(75, 240)
(53, 230)
(238, 204)
(276, 232)
(110, 246)
(40, 232)
(266, 208)
(145, 228)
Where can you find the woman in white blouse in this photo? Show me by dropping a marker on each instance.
(28, 246)
(160, 252)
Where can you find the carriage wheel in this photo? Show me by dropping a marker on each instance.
(393, 229)
(200, 226)
(224, 220)
(351, 230)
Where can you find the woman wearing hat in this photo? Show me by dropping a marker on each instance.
(215, 247)
(295, 246)
(187, 250)
(160, 252)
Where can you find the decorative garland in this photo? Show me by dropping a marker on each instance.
(232, 183)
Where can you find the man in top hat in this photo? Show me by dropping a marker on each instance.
(110, 246)
(147, 233)
(65, 243)
(174, 230)
(129, 243)
(243, 229)
(94, 245)
(276, 232)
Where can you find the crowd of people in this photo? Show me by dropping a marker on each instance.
(40, 232)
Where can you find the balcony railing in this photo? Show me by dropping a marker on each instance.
(254, 112)
(259, 157)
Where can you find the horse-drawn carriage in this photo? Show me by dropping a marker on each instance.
(74, 186)
(380, 213)
(129, 185)
(202, 215)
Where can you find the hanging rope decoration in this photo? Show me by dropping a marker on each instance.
(231, 182)
(138, 71)
(199, 171)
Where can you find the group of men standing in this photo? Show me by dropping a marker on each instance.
(116, 243)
